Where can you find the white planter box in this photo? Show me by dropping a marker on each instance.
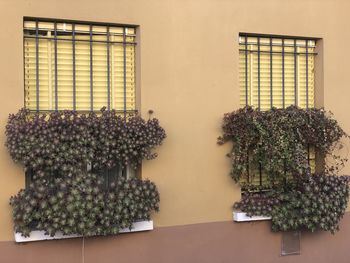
(242, 217)
(40, 235)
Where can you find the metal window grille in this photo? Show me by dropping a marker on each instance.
(78, 65)
(109, 175)
(276, 71)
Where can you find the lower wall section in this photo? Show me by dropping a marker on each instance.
(219, 242)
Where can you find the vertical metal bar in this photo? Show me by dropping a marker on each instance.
(56, 71)
(105, 175)
(91, 73)
(135, 105)
(260, 174)
(74, 72)
(283, 101)
(112, 75)
(28, 178)
(307, 91)
(248, 175)
(37, 63)
(271, 79)
(259, 99)
(113, 175)
(25, 48)
(124, 61)
(285, 172)
(108, 73)
(307, 73)
(283, 91)
(49, 68)
(246, 70)
(107, 178)
(295, 74)
(259, 104)
(124, 172)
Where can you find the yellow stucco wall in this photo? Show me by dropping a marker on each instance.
(189, 77)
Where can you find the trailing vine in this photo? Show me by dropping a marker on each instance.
(275, 145)
(278, 139)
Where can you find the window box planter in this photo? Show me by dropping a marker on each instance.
(40, 235)
(239, 216)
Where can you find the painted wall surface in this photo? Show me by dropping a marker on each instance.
(218, 242)
(189, 76)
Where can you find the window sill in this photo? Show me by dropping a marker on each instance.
(40, 235)
(242, 217)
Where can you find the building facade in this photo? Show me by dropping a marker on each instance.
(187, 72)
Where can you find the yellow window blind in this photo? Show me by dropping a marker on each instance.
(79, 66)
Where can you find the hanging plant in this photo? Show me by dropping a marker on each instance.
(64, 142)
(275, 145)
(78, 205)
(315, 202)
(57, 148)
(279, 139)
(312, 202)
(125, 142)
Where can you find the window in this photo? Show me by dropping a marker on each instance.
(277, 71)
(83, 66)
(78, 65)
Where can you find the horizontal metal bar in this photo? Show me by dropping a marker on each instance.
(245, 34)
(84, 111)
(42, 19)
(274, 45)
(277, 52)
(85, 40)
(77, 32)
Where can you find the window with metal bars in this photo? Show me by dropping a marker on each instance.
(79, 66)
(276, 71)
(82, 66)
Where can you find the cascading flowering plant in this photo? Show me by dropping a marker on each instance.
(59, 147)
